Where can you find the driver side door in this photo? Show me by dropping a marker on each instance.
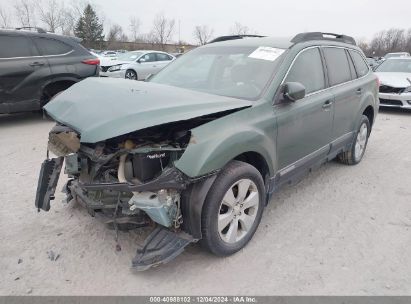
(305, 125)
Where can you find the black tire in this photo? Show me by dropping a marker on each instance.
(349, 157)
(234, 172)
(131, 74)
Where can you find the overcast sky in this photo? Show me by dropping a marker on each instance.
(358, 18)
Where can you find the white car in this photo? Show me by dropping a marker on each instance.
(397, 54)
(136, 65)
(395, 82)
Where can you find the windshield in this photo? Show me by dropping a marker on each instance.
(241, 72)
(395, 65)
(130, 56)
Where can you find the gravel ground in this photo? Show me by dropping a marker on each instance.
(342, 230)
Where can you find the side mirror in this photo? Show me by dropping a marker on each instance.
(141, 60)
(293, 91)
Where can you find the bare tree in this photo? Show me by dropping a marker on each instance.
(392, 40)
(202, 33)
(52, 14)
(163, 30)
(5, 18)
(68, 21)
(25, 11)
(407, 44)
(135, 25)
(239, 29)
(115, 36)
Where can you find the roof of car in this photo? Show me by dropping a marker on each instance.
(38, 34)
(314, 38)
(282, 43)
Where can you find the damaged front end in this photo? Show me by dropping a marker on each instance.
(129, 181)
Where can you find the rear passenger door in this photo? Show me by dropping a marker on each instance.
(56, 53)
(347, 93)
(304, 126)
(147, 65)
(162, 60)
(20, 72)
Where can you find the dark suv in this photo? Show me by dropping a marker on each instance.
(199, 148)
(34, 66)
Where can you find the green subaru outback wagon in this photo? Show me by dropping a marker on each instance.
(197, 150)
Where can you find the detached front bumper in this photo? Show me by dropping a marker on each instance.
(393, 100)
(46, 187)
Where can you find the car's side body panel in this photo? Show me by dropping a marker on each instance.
(214, 144)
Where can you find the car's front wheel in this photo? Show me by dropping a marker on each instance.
(233, 209)
(356, 153)
(130, 74)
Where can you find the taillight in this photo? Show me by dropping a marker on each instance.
(94, 61)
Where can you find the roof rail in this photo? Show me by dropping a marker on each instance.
(322, 36)
(234, 37)
(38, 29)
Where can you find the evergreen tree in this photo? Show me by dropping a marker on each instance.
(89, 28)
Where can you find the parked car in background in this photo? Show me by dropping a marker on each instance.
(397, 54)
(177, 54)
(395, 79)
(35, 66)
(109, 54)
(198, 150)
(136, 65)
(373, 63)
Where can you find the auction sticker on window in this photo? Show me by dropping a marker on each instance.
(266, 53)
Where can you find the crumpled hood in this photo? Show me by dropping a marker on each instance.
(394, 79)
(103, 108)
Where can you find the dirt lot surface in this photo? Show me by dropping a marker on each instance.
(342, 230)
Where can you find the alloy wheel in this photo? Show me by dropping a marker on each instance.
(238, 211)
(361, 142)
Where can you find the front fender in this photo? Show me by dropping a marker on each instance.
(213, 145)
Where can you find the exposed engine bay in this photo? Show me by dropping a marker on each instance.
(128, 181)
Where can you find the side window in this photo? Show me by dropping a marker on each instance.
(350, 63)
(49, 47)
(150, 57)
(16, 46)
(308, 70)
(163, 57)
(360, 65)
(337, 65)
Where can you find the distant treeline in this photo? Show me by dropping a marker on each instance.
(387, 41)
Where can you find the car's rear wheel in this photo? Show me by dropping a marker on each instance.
(233, 209)
(130, 74)
(356, 153)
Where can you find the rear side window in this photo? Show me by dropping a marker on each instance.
(163, 57)
(150, 57)
(16, 46)
(360, 65)
(337, 65)
(308, 70)
(49, 47)
(352, 69)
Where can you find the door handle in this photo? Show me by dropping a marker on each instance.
(327, 104)
(358, 91)
(37, 63)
